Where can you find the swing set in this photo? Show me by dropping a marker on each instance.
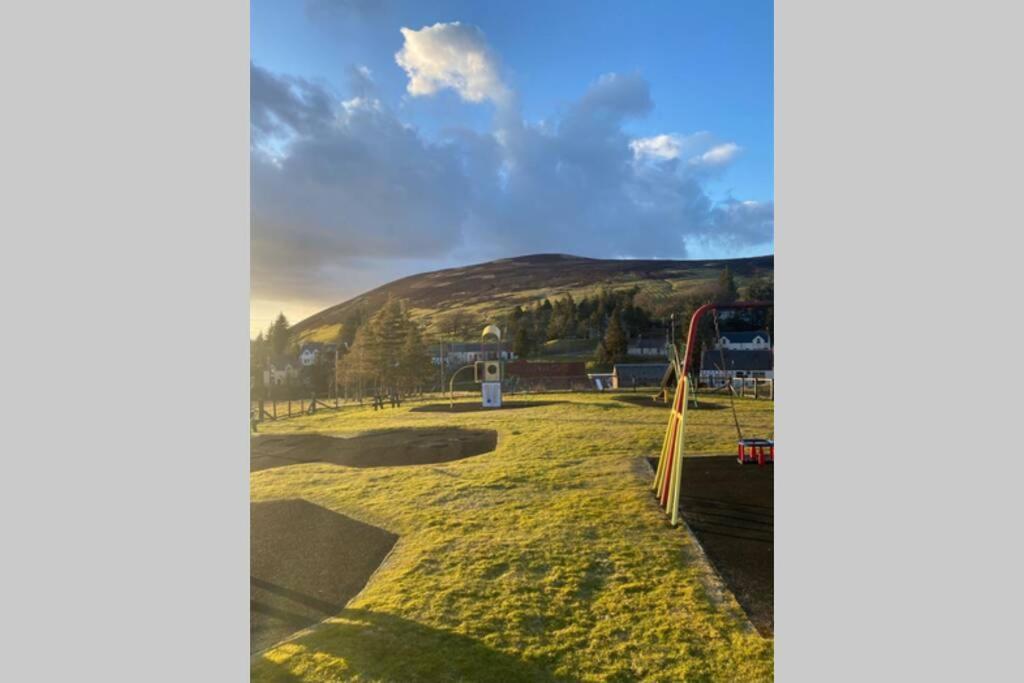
(668, 477)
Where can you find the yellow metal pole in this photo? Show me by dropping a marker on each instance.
(659, 474)
(677, 461)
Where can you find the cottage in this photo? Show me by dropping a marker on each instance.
(654, 347)
(629, 375)
(718, 364)
(752, 340)
(282, 370)
(313, 352)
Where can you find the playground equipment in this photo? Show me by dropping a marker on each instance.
(487, 373)
(668, 477)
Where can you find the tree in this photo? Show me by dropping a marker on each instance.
(388, 352)
(522, 346)
(761, 289)
(279, 335)
(615, 340)
(725, 290)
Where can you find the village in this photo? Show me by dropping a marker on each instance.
(735, 357)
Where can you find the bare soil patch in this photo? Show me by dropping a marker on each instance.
(383, 448)
(730, 508)
(305, 564)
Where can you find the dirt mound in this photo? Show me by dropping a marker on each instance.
(478, 406)
(305, 564)
(384, 448)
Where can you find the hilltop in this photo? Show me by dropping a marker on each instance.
(491, 289)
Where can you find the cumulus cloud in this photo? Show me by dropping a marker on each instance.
(454, 56)
(719, 155)
(341, 185)
(346, 183)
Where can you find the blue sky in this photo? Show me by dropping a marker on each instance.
(564, 94)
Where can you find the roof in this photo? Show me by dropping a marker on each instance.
(525, 369)
(280, 362)
(467, 346)
(745, 336)
(652, 371)
(649, 343)
(735, 359)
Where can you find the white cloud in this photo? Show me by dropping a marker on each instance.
(342, 181)
(666, 146)
(718, 155)
(452, 56)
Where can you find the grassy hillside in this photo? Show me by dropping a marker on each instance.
(494, 288)
(544, 560)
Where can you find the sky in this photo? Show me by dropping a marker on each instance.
(392, 137)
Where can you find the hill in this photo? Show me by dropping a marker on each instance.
(489, 290)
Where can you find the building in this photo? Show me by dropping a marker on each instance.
(652, 347)
(751, 340)
(547, 375)
(311, 353)
(282, 370)
(629, 375)
(717, 364)
(463, 353)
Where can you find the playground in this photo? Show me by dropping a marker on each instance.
(545, 558)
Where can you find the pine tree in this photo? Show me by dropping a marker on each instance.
(522, 346)
(278, 335)
(726, 291)
(615, 340)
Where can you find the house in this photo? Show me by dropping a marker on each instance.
(462, 353)
(282, 370)
(547, 375)
(717, 364)
(312, 352)
(653, 347)
(629, 375)
(752, 340)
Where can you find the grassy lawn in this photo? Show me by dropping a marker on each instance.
(546, 559)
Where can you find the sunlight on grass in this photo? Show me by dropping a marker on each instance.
(546, 559)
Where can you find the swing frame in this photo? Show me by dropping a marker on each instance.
(668, 477)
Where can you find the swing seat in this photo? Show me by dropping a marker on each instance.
(755, 450)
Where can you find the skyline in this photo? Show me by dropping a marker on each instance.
(388, 140)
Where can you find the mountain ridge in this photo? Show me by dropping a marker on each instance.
(492, 288)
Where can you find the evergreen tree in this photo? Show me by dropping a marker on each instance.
(522, 346)
(615, 340)
(726, 291)
(278, 336)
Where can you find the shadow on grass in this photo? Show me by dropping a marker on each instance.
(382, 647)
(465, 407)
(646, 401)
(379, 448)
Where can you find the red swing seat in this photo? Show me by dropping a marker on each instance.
(755, 450)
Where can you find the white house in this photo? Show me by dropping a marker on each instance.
(717, 364)
(654, 347)
(281, 371)
(461, 353)
(744, 341)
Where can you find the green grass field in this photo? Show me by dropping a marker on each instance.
(545, 560)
